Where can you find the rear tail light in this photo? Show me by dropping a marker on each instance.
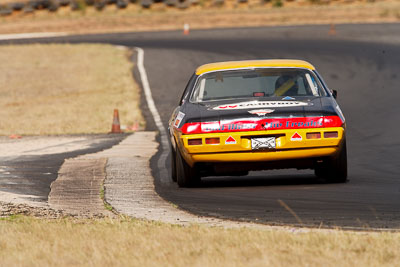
(333, 121)
(212, 141)
(191, 128)
(313, 135)
(331, 135)
(195, 142)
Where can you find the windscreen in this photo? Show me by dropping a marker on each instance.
(256, 83)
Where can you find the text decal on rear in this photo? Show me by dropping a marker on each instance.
(262, 104)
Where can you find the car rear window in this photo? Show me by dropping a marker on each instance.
(253, 83)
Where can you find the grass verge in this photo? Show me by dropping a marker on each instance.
(128, 242)
(65, 89)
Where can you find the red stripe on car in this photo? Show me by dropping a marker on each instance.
(261, 124)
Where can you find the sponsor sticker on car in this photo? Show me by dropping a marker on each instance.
(230, 141)
(178, 119)
(261, 104)
(296, 137)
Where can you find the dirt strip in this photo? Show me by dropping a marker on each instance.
(77, 188)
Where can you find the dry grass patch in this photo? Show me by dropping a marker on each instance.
(65, 89)
(202, 16)
(126, 242)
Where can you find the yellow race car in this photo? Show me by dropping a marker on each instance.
(238, 116)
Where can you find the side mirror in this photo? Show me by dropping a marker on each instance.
(334, 94)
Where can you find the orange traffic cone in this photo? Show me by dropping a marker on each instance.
(116, 127)
(332, 30)
(134, 127)
(186, 29)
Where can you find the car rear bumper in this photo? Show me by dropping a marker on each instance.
(265, 156)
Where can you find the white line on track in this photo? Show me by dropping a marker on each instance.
(31, 35)
(162, 170)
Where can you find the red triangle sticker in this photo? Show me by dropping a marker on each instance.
(296, 137)
(230, 140)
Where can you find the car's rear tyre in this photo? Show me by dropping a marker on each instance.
(335, 169)
(186, 176)
(173, 164)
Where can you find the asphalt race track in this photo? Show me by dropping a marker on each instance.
(362, 62)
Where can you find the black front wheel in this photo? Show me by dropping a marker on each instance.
(335, 169)
(186, 176)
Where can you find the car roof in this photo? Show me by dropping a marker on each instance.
(230, 65)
